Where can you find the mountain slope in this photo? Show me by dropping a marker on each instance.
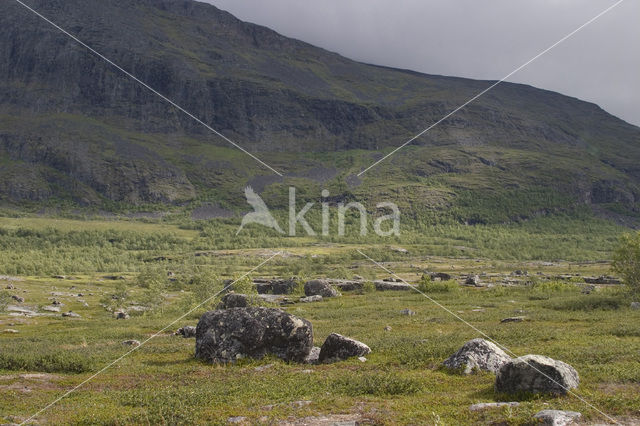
(74, 128)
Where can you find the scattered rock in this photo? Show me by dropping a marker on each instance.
(473, 280)
(407, 312)
(234, 300)
(10, 331)
(70, 314)
(362, 359)
(10, 287)
(400, 250)
(347, 285)
(275, 298)
(358, 277)
(536, 374)
(309, 299)
(56, 303)
(230, 334)
(131, 342)
(51, 308)
(284, 286)
(18, 298)
(440, 276)
(478, 354)
(237, 419)
(337, 348)
(387, 285)
(313, 356)
(387, 328)
(120, 315)
(186, 331)
(21, 310)
(487, 405)
(557, 417)
(319, 288)
(635, 305)
(263, 367)
(513, 319)
(603, 279)
(588, 289)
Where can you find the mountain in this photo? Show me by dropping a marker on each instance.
(76, 131)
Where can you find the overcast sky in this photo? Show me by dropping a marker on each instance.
(476, 39)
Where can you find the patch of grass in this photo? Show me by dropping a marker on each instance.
(596, 302)
(49, 362)
(376, 384)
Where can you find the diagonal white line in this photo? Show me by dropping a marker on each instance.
(485, 335)
(142, 83)
(493, 85)
(70, 391)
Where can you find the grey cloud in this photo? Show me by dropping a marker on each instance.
(476, 39)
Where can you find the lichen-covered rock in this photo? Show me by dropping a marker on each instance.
(234, 300)
(556, 417)
(310, 299)
(319, 288)
(337, 348)
(284, 286)
(489, 405)
(120, 314)
(313, 356)
(230, 334)
(473, 280)
(478, 354)
(186, 331)
(536, 374)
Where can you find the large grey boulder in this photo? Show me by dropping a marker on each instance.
(319, 288)
(536, 374)
(477, 354)
(557, 417)
(230, 334)
(337, 348)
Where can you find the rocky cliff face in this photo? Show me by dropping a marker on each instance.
(72, 127)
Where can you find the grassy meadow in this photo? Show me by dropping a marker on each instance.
(167, 266)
